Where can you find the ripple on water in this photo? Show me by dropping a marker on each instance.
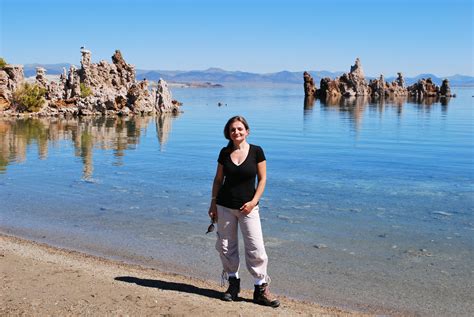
(442, 213)
(91, 181)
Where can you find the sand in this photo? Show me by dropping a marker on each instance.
(42, 280)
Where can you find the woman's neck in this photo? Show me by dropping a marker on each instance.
(241, 146)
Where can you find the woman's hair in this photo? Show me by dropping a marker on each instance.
(227, 128)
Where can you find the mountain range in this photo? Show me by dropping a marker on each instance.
(221, 76)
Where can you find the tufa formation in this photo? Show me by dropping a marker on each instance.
(94, 89)
(353, 84)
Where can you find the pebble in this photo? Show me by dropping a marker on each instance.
(420, 252)
(283, 217)
(320, 246)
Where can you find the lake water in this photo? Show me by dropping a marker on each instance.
(367, 206)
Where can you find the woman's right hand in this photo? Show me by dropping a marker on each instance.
(213, 212)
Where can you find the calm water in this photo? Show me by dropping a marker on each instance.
(386, 192)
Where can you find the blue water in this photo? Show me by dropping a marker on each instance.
(386, 188)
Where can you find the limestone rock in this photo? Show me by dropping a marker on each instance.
(353, 84)
(378, 87)
(125, 71)
(356, 80)
(423, 88)
(11, 76)
(55, 91)
(140, 100)
(309, 86)
(400, 81)
(328, 88)
(5, 93)
(41, 77)
(15, 76)
(445, 90)
(95, 88)
(164, 102)
(356, 69)
(350, 84)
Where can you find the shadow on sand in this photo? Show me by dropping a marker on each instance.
(171, 286)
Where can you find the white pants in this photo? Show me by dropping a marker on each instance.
(228, 245)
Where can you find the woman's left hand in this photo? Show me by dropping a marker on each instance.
(248, 207)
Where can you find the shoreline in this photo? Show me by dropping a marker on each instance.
(43, 280)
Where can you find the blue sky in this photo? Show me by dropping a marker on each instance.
(258, 36)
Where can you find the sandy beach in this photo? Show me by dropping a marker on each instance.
(42, 280)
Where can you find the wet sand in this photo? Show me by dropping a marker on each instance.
(42, 280)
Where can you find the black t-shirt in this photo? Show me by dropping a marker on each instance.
(239, 181)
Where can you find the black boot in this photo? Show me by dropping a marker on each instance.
(261, 296)
(233, 290)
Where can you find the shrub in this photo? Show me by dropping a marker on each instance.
(85, 90)
(29, 97)
(2, 62)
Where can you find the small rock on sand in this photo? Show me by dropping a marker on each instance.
(320, 246)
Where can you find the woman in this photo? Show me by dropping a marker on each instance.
(235, 202)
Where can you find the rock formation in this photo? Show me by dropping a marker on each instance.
(4, 91)
(10, 78)
(350, 84)
(400, 81)
(445, 90)
(426, 88)
(309, 86)
(328, 88)
(41, 77)
(95, 88)
(379, 88)
(353, 84)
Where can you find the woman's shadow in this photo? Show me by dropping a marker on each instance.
(171, 286)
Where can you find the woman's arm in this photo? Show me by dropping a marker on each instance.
(216, 186)
(262, 181)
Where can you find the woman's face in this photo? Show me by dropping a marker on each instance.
(237, 131)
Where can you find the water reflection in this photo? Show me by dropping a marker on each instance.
(163, 128)
(354, 107)
(351, 107)
(18, 136)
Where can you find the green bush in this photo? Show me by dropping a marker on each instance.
(29, 97)
(2, 62)
(85, 90)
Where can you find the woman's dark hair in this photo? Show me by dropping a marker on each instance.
(230, 145)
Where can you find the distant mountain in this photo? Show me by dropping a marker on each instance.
(455, 80)
(221, 76)
(51, 69)
(217, 75)
(461, 80)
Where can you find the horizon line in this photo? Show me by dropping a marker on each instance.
(243, 71)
